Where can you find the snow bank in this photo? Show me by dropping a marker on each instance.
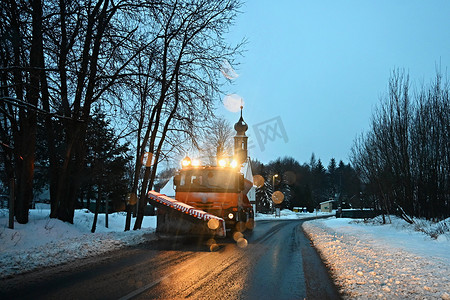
(49, 242)
(370, 261)
(287, 214)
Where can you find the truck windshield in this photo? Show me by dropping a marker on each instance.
(207, 180)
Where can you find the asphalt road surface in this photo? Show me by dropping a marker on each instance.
(275, 262)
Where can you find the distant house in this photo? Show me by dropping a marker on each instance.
(327, 206)
(246, 169)
(168, 189)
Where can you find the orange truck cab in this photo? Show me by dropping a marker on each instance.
(220, 191)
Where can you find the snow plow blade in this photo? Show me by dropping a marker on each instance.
(179, 218)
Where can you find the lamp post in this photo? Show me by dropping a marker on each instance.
(273, 184)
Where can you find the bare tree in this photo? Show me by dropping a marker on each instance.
(404, 157)
(218, 140)
(87, 47)
(188, 51)
(60, 57)
(431, 146)
(93, 45)
(20, 91)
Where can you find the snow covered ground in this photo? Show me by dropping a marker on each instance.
(49, 242)
(374, 261)
(368, 261)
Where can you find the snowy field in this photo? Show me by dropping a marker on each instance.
(368, 261)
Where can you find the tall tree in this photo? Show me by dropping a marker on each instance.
(404, 157)
(190, 47)
(90, 47)
(104, 177)
(92, 54)
(22, 44)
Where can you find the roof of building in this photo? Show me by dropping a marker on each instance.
(168, 189)
(329, 201)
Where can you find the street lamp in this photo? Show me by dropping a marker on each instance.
(273, 184)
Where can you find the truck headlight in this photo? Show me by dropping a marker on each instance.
(230, 216)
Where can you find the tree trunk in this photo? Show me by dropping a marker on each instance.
(97, 208)
(29, 121)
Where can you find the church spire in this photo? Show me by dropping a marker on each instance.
(240, 140)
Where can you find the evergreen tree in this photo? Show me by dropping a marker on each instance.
(305, 185)
(105, 174)
(264, 188)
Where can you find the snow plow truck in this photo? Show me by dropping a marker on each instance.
(209, 200)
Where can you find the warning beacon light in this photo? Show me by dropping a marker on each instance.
(186, 162)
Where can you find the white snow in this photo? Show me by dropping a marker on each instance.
(45, 242)
(287, 214)
(374, 261)
(368, 261)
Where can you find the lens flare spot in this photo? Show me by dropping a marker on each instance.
(290, 177)
(213, 224)
(250, 224)
(147, 159)
(240, 226)
(214, 247)
(242, 243)
(237, 235)
(121, 207)
(233, 102)
(227, 70)
(277, 197)
(258, 181)
(132, 198)
(210, 242)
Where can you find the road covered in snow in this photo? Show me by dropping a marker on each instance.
(367, 260)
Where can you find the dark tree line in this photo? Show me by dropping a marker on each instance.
(307, 184)
(107, 162)
(153, 67)
(404, 160)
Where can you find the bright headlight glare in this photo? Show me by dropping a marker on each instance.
(186, 162)
(222, 162)
(230, 216)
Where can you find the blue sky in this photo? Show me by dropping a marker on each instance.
(320, 67)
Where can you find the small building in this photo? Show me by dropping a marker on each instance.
(250, 188)
(299, 209)
(326, 206)
(168, 189)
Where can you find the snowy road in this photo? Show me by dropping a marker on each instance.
(277, 263)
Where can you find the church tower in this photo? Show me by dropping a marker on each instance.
(240, 140)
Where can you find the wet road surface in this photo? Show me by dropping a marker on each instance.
(275, 262)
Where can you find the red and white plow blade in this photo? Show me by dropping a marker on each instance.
(214, 222)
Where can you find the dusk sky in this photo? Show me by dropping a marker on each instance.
(318, 68)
